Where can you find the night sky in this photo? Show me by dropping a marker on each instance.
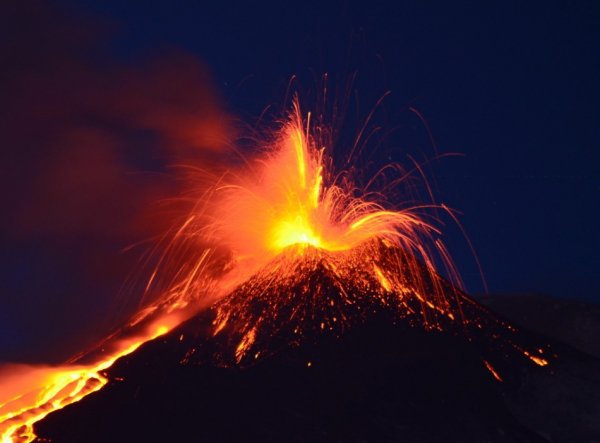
(512, 86)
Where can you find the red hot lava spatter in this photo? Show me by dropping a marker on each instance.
(303, 252)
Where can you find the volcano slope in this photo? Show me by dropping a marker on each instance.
(339, 347)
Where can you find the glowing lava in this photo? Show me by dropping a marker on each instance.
(29, 393)
(285, 204)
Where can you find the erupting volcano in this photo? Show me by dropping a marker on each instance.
(283, 269)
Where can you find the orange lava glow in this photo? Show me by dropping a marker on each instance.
(536, 359)
(29, 393)
(288, 200)
(492, 370)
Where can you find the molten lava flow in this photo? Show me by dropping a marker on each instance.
(28, 394)
(285, 222)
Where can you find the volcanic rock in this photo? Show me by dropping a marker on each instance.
(323, 349)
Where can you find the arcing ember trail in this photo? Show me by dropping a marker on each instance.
(283, 253)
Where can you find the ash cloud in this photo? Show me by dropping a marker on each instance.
(87, 145)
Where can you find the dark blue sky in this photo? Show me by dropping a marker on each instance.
(511, 85)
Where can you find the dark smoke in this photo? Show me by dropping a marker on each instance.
(88, 144)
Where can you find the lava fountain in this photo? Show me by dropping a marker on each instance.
(284, 217)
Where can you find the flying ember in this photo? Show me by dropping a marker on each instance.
(282, 247)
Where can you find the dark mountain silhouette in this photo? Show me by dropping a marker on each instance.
(342, 347)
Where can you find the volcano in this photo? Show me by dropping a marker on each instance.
(292, 305)
(321, 346)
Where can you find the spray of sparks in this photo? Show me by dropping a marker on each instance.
(286, 205)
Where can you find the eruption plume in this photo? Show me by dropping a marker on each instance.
(280, 250)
